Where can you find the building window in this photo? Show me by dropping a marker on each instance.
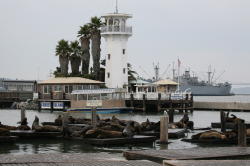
(123, 51)
(46, 89)
(108, 74)
(57, 88)
(124, 70)
(108, 56)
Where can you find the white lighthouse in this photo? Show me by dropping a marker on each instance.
(116, 34)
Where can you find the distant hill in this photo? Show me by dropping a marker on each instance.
(245, 90)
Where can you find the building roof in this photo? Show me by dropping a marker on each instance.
(139, 81)
(21, 81)
(165, 82)
(70, 80)
(117, 15)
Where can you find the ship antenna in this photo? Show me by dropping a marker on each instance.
(116, 6)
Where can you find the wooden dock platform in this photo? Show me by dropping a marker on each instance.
(33, 134)
(206, 162)
(189, 154)
(172, 133)
(228, 125)
(65, 159)
(137, 139)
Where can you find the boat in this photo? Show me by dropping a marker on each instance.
(104, 101)
(203, 88)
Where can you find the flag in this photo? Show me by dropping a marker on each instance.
(179, 62)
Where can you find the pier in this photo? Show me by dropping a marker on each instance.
(66, 159)
(206, 162)
(159, 102)
(230, 106)
(189, 154)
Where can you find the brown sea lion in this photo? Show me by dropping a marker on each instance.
(211, 134)
(129, 130)
(58, 120)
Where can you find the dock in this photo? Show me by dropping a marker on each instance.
(34, 134)
(228, 125)
(227, 106)
(159, 102)
(206, 162)
(189, 154)
(137, 139)
(66, 159)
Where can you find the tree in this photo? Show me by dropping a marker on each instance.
(131, 73)
(95, 25)
(75, 57)
(63, 51)
(84, 34)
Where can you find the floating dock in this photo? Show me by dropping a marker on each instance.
(137, 139)
(207, 163)
(66, 159)
(214, 141)
(34, 134)
(189, 154)
(228, 125)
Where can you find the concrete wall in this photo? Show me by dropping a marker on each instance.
(221, 106)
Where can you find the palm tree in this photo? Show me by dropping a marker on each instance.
(131, 73)
(95, 25)
(75, 57)
(63, 51)
(84, 34)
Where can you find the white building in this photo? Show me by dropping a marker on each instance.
(116, 34)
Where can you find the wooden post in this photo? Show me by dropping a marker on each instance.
(191, 105)
(65, 123)
(144, 102)
(159, 102)
(93, 117)
(171, 116)
(164, 129)
(222, 121)
(242, 134)
(51, 106)
(131, 100)
(22, 113)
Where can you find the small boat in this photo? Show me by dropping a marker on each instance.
(104, 101)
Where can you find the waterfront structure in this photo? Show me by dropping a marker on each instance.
(116, 34)
(166, 86)
(108, 100)
(56, 92)
(20, 85)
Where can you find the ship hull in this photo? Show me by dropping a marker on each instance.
(208, 90)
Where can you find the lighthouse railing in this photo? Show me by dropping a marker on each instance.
(114, 28)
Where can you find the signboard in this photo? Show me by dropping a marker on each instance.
(45, 105)
(58, 105)
(94, 103)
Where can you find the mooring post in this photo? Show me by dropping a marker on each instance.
(131, 100)
(222, 121)
(164, 129)
(242, 134)
(22, 113)
(171, 113)
(93, 117)
(65, 123)
(144, 102)
(191, 105)
(159, 102)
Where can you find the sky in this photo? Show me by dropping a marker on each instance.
(198, 32)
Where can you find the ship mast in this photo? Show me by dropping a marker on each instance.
(156, 69)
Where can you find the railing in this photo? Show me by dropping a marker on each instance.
(164, 96)
(116, 29)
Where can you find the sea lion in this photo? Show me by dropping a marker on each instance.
(58, 120)
(4, 132)
(35, 123)
(211, 134)
(129, 130)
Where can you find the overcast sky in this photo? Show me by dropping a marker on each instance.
(199, 32)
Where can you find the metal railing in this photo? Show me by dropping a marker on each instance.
(155, 95)
(117, 29)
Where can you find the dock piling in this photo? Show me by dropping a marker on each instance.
(144, 102)
(242, 134)
(164, 129)
(159, 102)
(223, 121)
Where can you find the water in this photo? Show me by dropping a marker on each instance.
(11, 117)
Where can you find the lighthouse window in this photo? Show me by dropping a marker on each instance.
(123, 51)
(124, 70)
(108, 75)
(108, 56)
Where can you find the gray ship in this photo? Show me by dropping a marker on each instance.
(203, 88)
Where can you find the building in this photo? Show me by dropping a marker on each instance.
(55, 93)
(116, 34)
(166, 86)
(20, 85)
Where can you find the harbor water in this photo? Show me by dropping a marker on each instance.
(201, 119)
